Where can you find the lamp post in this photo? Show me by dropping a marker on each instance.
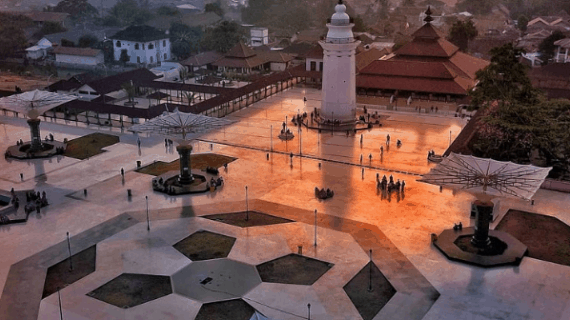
(246, 206)
(59, 300)
(147, 218)
(69, 249)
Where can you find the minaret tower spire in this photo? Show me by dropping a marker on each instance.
(339, 74)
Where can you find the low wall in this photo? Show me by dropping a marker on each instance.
(556, 185)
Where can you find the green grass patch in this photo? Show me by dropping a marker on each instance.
(89, 145)
(197, 162)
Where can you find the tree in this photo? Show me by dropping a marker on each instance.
(67, 43)
(504, 81)
(476, 6)
(50, 27)
(128, 12)
(223, 37)
(129, 88)
(77, 9)
(88, 41)
(461, 33)
(547, 47)
(514, 117)
(124, 58)
(522, 23)
(167, 11)
(215, 8)
(359, 25)
(184, 39)
(12, 36)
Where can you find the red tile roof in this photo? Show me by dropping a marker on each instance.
(364, 58)
(46, 16)
(240, 50)
(428, 48)
(202, 59)
(415, 69)
(86, 52)
(316, 52)
(232, 62)
(428, 31)
(433, 85)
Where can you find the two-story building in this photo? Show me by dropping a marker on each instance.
(143, 44)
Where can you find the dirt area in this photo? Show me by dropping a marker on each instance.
(546, 237)
(205, 245)
(223, 310)
(197, 162)
(293, 269)
(9, 81)
(254, 219)
(89, 145)
(59, 275)
(129, 290)
(369, 303)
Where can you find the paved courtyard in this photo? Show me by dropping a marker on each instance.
(355, 220)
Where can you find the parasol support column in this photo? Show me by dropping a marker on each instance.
(36, 144)
(185, 174)
(481, 237)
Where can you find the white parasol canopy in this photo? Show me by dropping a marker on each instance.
(179, 124)
(34, 103)
(487, 178)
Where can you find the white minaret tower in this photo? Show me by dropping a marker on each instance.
(339, 84)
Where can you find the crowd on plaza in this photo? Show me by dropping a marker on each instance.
(34, 201)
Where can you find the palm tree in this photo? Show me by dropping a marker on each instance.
(183, 73)
(129, 89)
(190, 96)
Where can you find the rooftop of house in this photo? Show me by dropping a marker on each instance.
(142, 33)
(73, 51)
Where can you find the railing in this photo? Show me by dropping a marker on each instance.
(339, 40)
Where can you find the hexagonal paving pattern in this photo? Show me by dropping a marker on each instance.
(254, 219)
(293, 269)
(232, 309)
(215, 280)
(205, 245)
(369, 302)
(130, 289)
(546, 237)
(59, 275)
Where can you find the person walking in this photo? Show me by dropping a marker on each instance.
(403, 185)
(388, 139)
(139, 142)
(122, 172)
(381, 150)
(370, 157)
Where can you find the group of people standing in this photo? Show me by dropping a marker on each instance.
(391, 185)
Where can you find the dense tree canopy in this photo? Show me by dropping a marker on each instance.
(167, 11)
(50, 27)
(519, 119)
(127, 12)
(12, 37)
(547, 47)
(522, 23)
(88, 41)
(185, 40)
(214, 7)
(476, 6)
(223, 37)
(461, 33)
(77, 9)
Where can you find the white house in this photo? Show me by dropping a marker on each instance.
(259, 36)
(78, 56)
(562, 48)
(143, 44)
(39, 50)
